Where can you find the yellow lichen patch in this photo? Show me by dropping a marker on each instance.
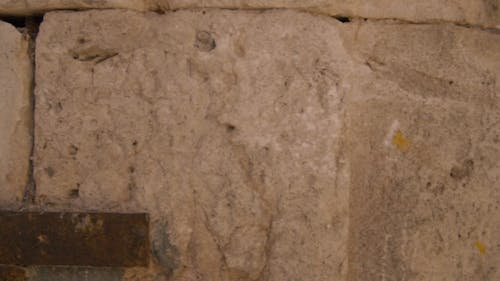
(481, 247)
(400, 141)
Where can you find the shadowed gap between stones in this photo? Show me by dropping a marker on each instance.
(29, 27)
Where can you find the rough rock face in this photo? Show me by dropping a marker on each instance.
(15, 114)
(277, 145)
(479, 12)
(27, 7)
(423, 133)
(224, 125)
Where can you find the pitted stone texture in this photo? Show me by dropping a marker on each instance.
(223, 125)
(15, 115)
(424, 148)
(479, 12)
(29, 7)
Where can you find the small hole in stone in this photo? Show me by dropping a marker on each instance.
(230, 127)
(50, 171)
(134, 143)
(131, 169)
(450, 82)
(204, 41)
(74, 193)
(82, 40)
(343, 19)
(132, 186)
(72, 150)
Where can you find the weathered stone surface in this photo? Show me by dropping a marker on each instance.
(251, 4)
(15, 114)
(81, 239)
(480, 12)
(423, 136)
(28, 7)
(223, 125)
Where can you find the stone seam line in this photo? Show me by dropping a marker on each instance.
(162, 10)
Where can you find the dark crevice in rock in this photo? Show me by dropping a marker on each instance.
(342, 19)
(18, 22)
(30, 31)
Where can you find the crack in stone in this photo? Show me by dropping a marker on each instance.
(32, 25)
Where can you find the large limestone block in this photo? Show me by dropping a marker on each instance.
(424, 147)
(478, 12)
(15, 114)
(28, 7)
(224, 125)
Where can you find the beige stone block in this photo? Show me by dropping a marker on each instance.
(15, 114)
(29, 7)
(423, 139)
(484, 13)
(477, 12)
(250, 4)
(224, 125)
(480, 12)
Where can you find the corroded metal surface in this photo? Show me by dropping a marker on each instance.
(85, 239)
(75, 273)
(10, 273)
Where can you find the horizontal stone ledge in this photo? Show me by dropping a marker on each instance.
(81, 239)
(484, 13)
(30, 7)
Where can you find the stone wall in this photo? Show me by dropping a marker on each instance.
(266, 140)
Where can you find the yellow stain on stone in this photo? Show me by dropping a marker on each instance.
(481, 247)
(400, 141)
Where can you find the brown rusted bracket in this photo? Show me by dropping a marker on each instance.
(79, 239)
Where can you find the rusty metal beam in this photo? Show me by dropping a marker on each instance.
(81, 239)
(11, 273)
